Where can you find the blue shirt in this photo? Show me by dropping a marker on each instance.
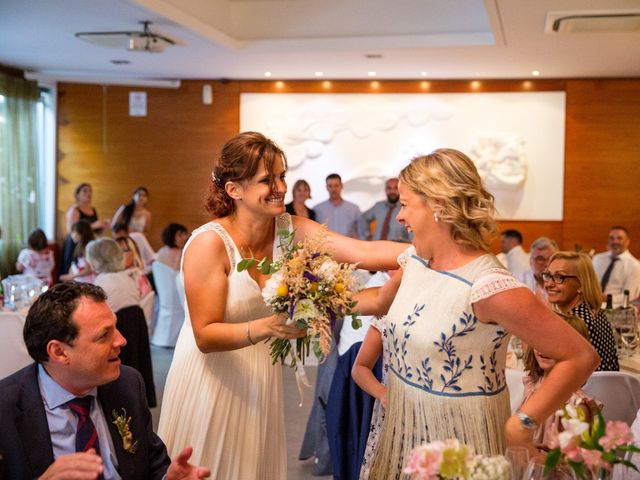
(62, 423)
(341, 218)
(397, 232)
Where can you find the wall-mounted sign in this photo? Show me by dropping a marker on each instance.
(137, 104)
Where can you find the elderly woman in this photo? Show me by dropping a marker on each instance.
(107, 260)
(573, 288)
(449, 313)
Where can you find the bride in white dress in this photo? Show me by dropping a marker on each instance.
(223, 395)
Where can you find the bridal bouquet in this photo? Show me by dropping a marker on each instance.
(590, 448)
(452, 459)
(311, 288)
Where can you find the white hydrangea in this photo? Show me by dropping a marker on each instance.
(490, 468)
(328, 270)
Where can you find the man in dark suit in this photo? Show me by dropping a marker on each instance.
(77, 411)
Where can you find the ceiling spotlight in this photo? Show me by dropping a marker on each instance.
(267, 74)
(371, 74)
(424, 74)
(375, 84)
(475, 84)
(279, 84)
(318, 74)
(326, 84)
(535, 73)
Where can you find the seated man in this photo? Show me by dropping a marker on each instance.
(76, 412)
(541, 250)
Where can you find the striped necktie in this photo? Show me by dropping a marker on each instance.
(86, 434)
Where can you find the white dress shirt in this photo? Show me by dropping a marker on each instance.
(624, 276)
(518, 262)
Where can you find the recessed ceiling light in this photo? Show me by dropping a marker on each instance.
(535, 73)
(267, 74)
(475, 84)
(372, 74)
(326, 84)
(279, 84)
(424, 74)
(425, 85)
(120, 62)
(375, 84)
(318, 74)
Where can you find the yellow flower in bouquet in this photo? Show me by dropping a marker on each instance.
(311, 288)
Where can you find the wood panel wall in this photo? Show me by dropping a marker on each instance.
(172, 150)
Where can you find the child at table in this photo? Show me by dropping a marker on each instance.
(37, 260)
(537, 366)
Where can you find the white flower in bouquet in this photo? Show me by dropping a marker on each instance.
(270, 290)
(490, 468)
(329, 270)
(304, 311)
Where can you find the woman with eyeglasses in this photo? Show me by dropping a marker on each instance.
(572, 287)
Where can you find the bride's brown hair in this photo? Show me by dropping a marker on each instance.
(239, 160)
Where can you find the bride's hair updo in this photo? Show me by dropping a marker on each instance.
(451, 179)
(240, 159)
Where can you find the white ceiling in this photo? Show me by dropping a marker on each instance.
(293, 39)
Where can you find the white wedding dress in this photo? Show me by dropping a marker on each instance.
(228, 405)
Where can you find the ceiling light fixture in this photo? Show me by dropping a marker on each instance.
(535, 73)
(267, 74)
(137, 41)
(371, 74)
(424, 74)
(318, 74)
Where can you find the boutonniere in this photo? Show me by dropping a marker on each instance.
(122, 423)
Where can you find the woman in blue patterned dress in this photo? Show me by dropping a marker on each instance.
(450, 312)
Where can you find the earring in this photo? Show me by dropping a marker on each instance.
(435, 217)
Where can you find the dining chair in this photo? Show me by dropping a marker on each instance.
(618, 391)
(170, 308)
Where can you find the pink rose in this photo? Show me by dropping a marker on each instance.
(424, 461)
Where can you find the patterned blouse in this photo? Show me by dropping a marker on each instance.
(600, 336)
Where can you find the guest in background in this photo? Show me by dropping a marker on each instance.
(340, 215)
(57, 414)
(384, 214)
(618, 270)
(37, 260)
(517, 259)
(174, 237)
(541, 251)
(134, 264)
(142, 246)
(80, 270)
(107, 261)
(572, 287)
(134, 215)
(537, 366)
(82, 209)
(301, 193)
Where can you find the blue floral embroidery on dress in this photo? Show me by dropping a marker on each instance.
(493, 380)
(399, 348)
(453, 366)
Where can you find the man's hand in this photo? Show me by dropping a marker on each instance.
(180, 467)
(75, 466)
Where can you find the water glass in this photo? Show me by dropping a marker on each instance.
(535, 471)
(625, 322)
(518, 458)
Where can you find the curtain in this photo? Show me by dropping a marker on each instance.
(18, 167)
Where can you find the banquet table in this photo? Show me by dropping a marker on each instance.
(13, 351)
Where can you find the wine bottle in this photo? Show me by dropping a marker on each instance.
(625, 299)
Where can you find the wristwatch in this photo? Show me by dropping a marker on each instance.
(526, 421)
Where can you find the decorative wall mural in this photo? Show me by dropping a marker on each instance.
(516, 140)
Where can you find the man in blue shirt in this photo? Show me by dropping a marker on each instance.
(77, 412)
(384, 214)
(340, 215)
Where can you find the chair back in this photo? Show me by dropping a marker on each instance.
(137, 352)
(13, 351)
(170, 309)
(618, 391)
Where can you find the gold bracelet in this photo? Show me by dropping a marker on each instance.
(249, 334)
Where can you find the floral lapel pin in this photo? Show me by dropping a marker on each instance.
(122, 423)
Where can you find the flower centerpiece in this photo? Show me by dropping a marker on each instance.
(452, 459)
(311, 289)
(589, 446)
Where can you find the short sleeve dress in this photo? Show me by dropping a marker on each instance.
(446, 368)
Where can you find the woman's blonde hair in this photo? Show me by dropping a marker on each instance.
(531, 364)
(451, 179)
(589, 285)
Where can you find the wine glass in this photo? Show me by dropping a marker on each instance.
(518, 458)
(535, 471)
(627, 326)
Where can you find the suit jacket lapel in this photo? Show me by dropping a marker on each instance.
(31, 423)
(126, 460)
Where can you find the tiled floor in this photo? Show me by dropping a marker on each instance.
(295, 417)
